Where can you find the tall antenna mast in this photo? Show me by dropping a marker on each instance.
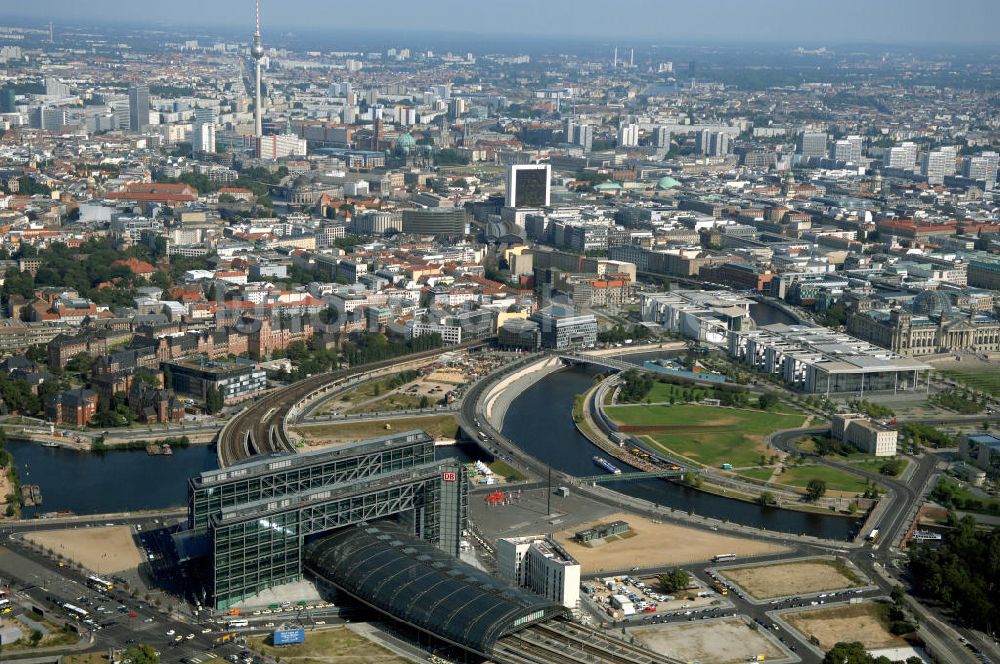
(257, 52)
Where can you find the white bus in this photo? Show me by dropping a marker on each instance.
(97, 583)
(75, 611)
(723, 557)
(236, 624)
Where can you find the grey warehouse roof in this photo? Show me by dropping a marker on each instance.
(421, 585)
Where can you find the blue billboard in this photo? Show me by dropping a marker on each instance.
(287, 637)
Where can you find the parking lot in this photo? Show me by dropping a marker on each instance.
(640, 598)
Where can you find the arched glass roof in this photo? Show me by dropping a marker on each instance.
(417, 583)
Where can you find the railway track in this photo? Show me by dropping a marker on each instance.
(260, 427)
(569, 643)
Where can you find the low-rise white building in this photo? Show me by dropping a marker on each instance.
(540, 565)
(865, 435)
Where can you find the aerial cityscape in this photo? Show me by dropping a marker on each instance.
(529, 333)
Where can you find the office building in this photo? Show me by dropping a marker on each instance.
(377, 223)
(848, 149)
(237, 380)
(279, 146)
(440, 222)
(983, 451)
(712, 143)
(254, 518)
(529, 185)
(540, 565)
(902, 156)
(8, 100)
(817, 360)
(661, 137)
(561, 328)
(699, 315)
(53, 119)
(982, 167)
(55, 88)
(203, 138)
(628, 135)
(579, 134)
(938, 164)
(811, 144)
(138, 107)
(865, 435)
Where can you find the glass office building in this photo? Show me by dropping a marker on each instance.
(257, 516)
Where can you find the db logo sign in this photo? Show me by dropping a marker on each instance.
(449, 477)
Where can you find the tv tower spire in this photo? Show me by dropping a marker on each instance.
(257, 52)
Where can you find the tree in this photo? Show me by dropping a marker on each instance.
(214, 400)
(142, 654)
(816, 489)
(848, 653)
(767, 498)
(674, 580)
(766, 401)
(424, 401)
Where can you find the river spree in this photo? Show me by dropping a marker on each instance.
(94, 483)
(540, 422)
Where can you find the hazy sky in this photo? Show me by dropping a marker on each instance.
(810, 22)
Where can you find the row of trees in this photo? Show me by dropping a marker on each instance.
(953, 496)
(619, 334)
(635, 386)
(963, 573)
(377, 347)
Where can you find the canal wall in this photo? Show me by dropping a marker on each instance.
(500, 396)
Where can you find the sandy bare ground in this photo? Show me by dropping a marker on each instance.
(656, 545)
(719, 642)
(860, 622)
(103, 550)
(4, 490)
(793, 578)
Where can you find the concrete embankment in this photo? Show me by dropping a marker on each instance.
(500, 396)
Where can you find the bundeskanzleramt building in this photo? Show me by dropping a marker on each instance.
(865, 435)
(540, 565)
(255, 516)
(817, 360)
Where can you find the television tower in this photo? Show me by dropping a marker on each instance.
(257, 52)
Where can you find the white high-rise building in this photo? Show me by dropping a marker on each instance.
(203, 138)
(540, 565)
(280, 145)
(583, 135)
(712, 143)
(938, 164)
(628, 135)
(848, 149)
(56, 88)
(903, 156)
(982, 167)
